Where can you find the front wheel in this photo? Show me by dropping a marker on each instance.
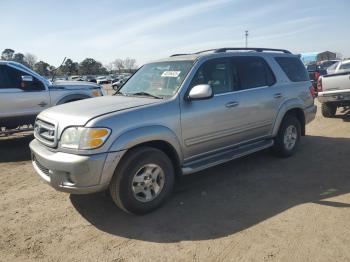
(142, 181)
(288, 137)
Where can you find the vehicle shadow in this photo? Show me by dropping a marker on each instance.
(15, 148)
(344, 114)
(232, 197)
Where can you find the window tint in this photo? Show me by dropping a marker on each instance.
(214, 73)
(251, 72)
(293, 68)
(345, 66)
(4, 81)
(12, 78)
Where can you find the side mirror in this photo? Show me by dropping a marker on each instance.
(26, 82)
(27, 79)
(200, 92)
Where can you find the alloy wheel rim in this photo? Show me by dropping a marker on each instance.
(290, 137)
(148, 182)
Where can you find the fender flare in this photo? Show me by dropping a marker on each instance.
(65, 99)
(284, 108)
(137, 136)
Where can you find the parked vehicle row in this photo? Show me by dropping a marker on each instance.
(119, 82)
(175, 116)
(24, 94)
(318, 69)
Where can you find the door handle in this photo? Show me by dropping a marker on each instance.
(42, 104)
(231, 104)
(278, 95)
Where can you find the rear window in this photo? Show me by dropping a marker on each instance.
(293, 68)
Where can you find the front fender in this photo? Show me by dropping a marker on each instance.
(141, 135)
(283, 109)
(72, 97)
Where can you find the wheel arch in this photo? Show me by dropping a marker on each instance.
(158, 137)
(291, 107)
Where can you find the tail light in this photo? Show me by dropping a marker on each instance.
(312, 91)
(319, 85)
(317, 75)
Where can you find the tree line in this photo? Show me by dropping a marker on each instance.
(88, 66)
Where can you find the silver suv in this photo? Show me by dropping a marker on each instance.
(173, 117)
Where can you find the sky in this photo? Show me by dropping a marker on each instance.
(152, 29)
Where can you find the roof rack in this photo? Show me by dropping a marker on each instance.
(178, 55)
(257, 49)
(223, 50)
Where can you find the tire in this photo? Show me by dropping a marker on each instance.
(126, 188)
(328, 109)
(290, 127)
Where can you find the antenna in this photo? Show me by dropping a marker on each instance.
(54, 72)
(246, 38)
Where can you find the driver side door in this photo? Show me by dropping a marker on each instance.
(20, 98)
(207, 125)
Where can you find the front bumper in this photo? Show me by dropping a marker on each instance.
(310, 113)
(77, 174)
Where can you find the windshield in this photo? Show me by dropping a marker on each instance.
(333, 67)
(161, 79)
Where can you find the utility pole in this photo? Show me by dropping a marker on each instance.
(246, 38)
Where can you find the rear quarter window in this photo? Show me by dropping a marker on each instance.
(293, 68)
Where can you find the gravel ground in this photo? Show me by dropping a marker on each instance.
(259, 208)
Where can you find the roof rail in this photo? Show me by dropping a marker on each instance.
(223, 50)
(257, 49)
(178, 55)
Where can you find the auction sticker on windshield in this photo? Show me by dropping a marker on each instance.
(171, 73)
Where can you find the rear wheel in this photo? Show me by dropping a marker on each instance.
(328, 109)
(142, 181)
(288, 137)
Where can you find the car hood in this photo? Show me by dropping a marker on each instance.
(73, 85)
(80, 112)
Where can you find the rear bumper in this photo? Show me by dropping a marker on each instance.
(310, 113)
(334, 96)
(71, 173)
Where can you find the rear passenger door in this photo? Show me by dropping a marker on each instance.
(258, 96)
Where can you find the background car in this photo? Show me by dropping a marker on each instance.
(101, 80)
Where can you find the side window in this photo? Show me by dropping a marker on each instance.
(345, 66)
(214, 73)
(4, 79)
(293, 68)
(251, 72)
(13, 79)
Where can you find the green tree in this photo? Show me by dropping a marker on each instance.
(7, 54)
(19, 58)
(42, 68)
(90, 66)
(69, 68)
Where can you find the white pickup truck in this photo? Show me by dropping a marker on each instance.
(334, 91)
(24, 94)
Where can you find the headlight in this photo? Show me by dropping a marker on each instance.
(96, 93)
(84, 137)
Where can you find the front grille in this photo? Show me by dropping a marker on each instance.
(41, 167)
(45, 132)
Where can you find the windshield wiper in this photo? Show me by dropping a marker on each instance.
(146, 94)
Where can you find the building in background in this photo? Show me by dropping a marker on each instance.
(313, 57)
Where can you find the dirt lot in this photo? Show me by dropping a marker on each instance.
(259, 208)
